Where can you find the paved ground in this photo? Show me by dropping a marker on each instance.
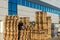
(1, 36)
(55, 38)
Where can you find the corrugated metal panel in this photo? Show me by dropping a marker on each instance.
(44, 4)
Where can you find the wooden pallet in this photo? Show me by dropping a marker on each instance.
(11, 28)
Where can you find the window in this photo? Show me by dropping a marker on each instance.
(9, 6)
(37, 6)
(23, 2)
(9, 12)
(18, 1)
(14, 1)
(30, 4)
(44, 8)
(41, 7)
(58, 12)
(9, 0)
(48, 10)
(52, 10)
(14, 7)
(14, 12)
(55, 11)
(26, 3)
(34, 5)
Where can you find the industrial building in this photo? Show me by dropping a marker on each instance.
(27, 8)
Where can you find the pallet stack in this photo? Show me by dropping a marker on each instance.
(25, 21)
(42, 26)
(40, 31)
(40, 20)
(37, 21)
(49, 26)
(25, 31)
(11, 28)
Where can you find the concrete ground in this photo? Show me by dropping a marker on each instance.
(1, 36)
(55, 38)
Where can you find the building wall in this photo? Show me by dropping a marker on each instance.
(54, 17)
(24, 11)
(3, 8)
(0, 26)
(12, 6)
(30, 12)
(3, 13)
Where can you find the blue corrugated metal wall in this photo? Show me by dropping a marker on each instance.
(12, 6)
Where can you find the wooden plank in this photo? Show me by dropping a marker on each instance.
(45, 26)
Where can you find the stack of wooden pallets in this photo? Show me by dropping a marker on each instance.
(41, 30)
(42, 26)
(49, 26)
(25, 30)
(11, 28)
